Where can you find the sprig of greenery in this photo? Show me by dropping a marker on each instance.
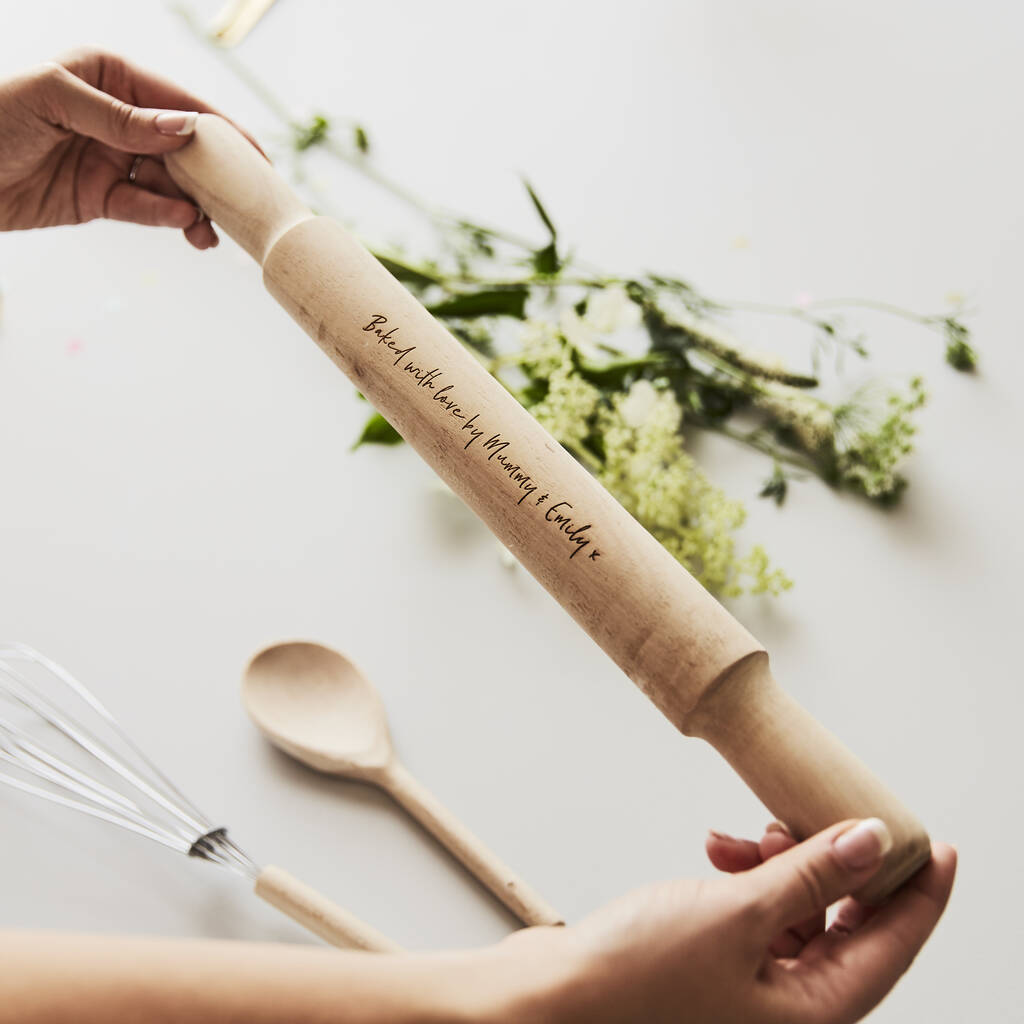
(586, 352)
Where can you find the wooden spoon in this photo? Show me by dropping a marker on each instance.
(314, 704)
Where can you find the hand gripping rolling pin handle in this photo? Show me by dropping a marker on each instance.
(702, 669)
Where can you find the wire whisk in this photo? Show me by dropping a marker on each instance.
(47, 752)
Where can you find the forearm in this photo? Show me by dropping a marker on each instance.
(53, 978)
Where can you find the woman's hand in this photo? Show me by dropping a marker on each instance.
(72, 131)
(746, 948)
(749, 947)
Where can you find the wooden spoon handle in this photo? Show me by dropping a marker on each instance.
(526, 904)
(651, 616)
(317, 913)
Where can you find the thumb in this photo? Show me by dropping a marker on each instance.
(74, 104)
(808, 878)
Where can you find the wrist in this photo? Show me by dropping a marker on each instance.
(528, 976)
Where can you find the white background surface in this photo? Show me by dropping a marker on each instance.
(177, 492)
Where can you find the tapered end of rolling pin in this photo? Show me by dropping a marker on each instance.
(800, 771)
(236, 186)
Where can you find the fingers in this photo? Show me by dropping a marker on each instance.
(152, 175)
(154, 91)
(141, 88)
(776, 839)
(856, 971)
(730, 854)
(202, 234)
(139, 206)
(884, 946)
(850, 915)
(788, 943)
(71, 103)
(105, 98)
(735, 855)
(803, 881)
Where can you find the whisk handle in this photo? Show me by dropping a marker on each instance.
(319, 914)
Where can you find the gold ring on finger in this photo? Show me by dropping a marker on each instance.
(133, 173)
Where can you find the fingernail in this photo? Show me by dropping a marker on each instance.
(864, 844)
(778, 826)
(174, 122)
(721, 835)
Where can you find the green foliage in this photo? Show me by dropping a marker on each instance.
(510, 301)
(541, 212)
(475, 336)
(570, 372)
(377, 430)
(416, 278)
(648, 469)
(959, 353)
(630, 437)
(312, 133)
(775, 486)
(546, 261)
(868, 460)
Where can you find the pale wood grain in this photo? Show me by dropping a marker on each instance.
(705, 672)
(318, 914)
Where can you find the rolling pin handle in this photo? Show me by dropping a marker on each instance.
(799, 770)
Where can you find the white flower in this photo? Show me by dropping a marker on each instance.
(541, 346)
(638, 404)
(579, 333)
(611, 309)
(566, 409)
(647, 468)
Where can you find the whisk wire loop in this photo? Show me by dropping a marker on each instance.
(173, 820)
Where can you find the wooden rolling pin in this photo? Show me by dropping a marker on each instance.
(705, 672)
